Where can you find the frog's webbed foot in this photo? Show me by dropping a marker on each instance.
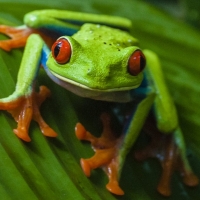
(106, 153)
(164, 148)
(24, 109)
(18, 37)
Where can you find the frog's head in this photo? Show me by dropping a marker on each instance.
(98, 59)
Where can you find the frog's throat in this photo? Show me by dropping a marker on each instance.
(112, 95)
(66, 80)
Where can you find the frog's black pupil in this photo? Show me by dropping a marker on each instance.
(142, 63)
(57, 49)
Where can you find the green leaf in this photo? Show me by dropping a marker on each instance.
(49, 168)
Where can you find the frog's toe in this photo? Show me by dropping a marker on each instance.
(113, 187)
(5, 45)
(22, 134)
(48, 131)
(164, 189)
(80, 131)
(190, 179)
(18, 37)
(107, 159)
(85, 167)
(83, 134)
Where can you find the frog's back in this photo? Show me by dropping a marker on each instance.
(105, 35)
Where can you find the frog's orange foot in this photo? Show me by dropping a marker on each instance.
(24, 109)
(163, 148)
(106, 153)
(22, 133)
(18, 37)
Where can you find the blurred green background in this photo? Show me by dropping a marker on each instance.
(49, 168)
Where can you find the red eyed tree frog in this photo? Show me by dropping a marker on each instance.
(95, 57)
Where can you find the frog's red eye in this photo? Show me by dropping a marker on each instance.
(61, 51)
(136, 63)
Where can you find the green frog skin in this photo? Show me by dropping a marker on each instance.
(95, 57)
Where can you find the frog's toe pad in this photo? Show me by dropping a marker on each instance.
(80, 131)
(164, 190)
(22, 133)
(114, 188)
(86, 167)
(49, 132)
(191, 180)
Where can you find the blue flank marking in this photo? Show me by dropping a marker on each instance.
(44, 57)
(141, 92)
(60, 30)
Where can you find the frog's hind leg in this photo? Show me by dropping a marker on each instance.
(18, 36)
(170, 151)
(168, 146)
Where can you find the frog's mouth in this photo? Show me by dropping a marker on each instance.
(113, 95)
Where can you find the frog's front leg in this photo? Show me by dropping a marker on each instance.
(110, 152)
(24, 103)
(106, 152)
(60, 22)
(167, 140)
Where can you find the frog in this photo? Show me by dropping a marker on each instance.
(96, 57)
